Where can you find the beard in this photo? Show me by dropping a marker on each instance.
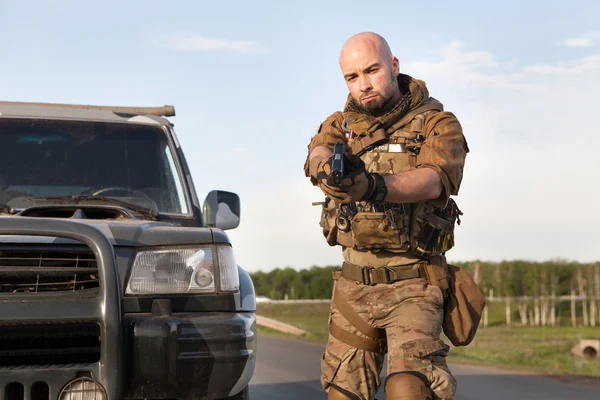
(378, 106)
(383, 103)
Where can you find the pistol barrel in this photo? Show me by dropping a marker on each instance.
(337, 163)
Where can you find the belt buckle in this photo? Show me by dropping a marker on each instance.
(366, 275)
(390, 274)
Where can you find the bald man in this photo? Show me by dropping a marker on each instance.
(393, 216)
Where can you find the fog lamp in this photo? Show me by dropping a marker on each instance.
(83, 389)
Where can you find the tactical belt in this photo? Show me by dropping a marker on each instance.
(373, 276)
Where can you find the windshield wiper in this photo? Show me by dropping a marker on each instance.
(78, 198)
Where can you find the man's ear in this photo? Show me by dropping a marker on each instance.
(395, 66)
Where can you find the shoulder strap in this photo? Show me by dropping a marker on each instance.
(430, 105)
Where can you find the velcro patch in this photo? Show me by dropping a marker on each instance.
(391, 148)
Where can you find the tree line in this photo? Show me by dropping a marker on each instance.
(288, 283)
(547, 293)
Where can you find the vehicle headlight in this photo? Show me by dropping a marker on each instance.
(183, 271)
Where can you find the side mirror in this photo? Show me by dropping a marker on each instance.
(221, 210)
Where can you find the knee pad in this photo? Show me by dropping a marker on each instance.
(406, 386)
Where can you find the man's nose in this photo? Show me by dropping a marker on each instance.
(365, 84)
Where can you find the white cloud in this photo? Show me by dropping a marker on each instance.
(510, 64)
(478, 69)
(580, 42)
(190, 42)
(241, 150)
(587, 40)
(571, 67)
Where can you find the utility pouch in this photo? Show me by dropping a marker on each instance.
(330, 225)
(327, 222)
(463, 300)
(432, 230)
(374, 230)
(463, 307)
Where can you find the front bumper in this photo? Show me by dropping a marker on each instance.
(190, 356)
(170, 356)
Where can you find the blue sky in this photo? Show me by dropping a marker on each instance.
(251, 81)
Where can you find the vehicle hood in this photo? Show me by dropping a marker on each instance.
(133, 233)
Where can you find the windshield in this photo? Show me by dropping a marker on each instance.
(129, 162)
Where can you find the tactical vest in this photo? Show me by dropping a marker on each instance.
(420, 228)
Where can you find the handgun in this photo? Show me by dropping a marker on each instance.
(337, 163)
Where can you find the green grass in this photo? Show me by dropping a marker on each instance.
(535, 349)
(309, 317)
(530, 348)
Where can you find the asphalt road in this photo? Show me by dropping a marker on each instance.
(289, 369)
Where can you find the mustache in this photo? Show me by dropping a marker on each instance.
(370, 94)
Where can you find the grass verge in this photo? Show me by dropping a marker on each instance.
(534, 349)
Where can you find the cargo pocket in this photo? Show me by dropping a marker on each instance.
(428, 357)
(420, 354)
(371, 230)
(334, 362)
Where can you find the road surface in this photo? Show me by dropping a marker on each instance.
(289, 369)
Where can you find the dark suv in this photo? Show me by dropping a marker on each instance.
(114, 284)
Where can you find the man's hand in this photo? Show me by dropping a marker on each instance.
(320, 169)
(356, 185)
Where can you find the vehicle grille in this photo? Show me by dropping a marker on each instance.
(34, 270)
(49, 344)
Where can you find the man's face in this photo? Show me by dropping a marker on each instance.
(370, 77)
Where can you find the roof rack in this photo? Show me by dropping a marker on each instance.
(164, 111)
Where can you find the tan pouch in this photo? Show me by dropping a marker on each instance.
(332, 234)
(327, 222)
(463, 307)
(373, 230)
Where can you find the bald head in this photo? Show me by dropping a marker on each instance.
(359, 44)
(370, 72)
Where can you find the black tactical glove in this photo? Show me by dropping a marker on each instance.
(356, 185)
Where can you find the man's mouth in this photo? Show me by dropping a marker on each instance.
(367, 99)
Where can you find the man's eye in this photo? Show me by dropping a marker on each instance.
(373, 70)
(351, 78)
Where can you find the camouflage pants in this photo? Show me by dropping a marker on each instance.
(411, 312)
